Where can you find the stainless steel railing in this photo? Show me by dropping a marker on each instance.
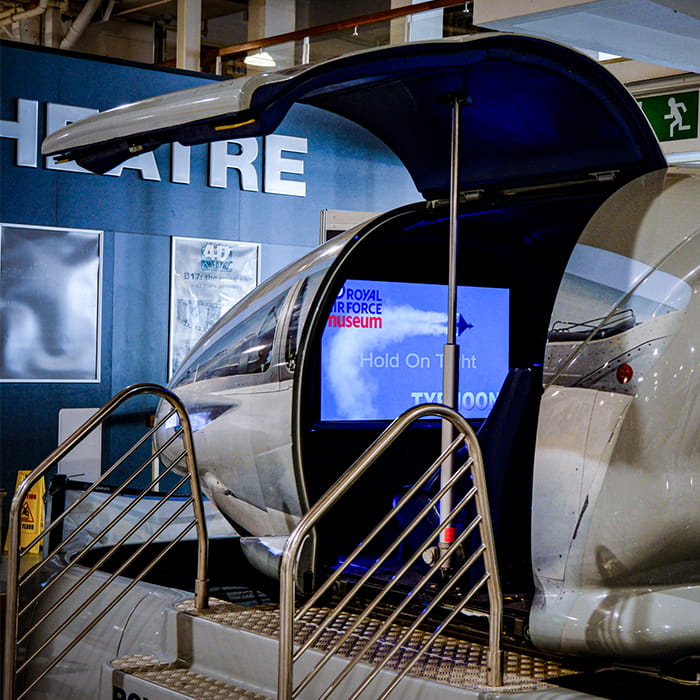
(25, 642)
(471, 477)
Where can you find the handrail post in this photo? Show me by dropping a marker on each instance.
(285, 671)
(11, 604)
(201, 597)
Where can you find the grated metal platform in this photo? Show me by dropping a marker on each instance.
(181, 680)
(456, 662)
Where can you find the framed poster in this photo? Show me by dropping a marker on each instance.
(207, 278)
(50, 288)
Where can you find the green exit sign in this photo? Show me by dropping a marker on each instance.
(673, 116)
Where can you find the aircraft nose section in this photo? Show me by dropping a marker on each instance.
(168, 444)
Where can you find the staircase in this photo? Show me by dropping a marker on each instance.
(375, 627)
(229, 652)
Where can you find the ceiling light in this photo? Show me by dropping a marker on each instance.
(261, 59)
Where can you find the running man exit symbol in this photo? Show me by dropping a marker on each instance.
(672, 116)
(676, 116)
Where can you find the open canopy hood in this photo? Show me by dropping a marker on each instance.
(533, 112)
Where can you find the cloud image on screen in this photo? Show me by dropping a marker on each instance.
(355, 391)
(382, 347)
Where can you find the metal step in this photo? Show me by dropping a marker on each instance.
(146, 676)
(453, 662)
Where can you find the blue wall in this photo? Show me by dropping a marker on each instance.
(345, 168)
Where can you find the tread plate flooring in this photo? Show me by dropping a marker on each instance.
(454, 661)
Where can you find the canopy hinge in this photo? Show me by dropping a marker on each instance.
(471, 195)
(605, 175)
(464, 196)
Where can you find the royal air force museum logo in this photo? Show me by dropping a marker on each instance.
(382, 349)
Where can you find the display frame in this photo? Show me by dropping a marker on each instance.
(89, 344)
(427, 302)
(212, 286)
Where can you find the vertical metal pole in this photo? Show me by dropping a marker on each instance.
(450, 368)
(189, 34)
(11, 605)
(285, 663)
(201, 586)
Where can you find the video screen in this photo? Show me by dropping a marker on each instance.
(382, 347)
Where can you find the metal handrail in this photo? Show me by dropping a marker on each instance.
(485, 552)
(14, 611)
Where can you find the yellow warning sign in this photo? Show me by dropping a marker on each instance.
(31, 514)
(27, 516)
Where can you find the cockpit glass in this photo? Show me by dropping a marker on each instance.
(248, 350)
(299, 312)
(290, 350)
(613, 318)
